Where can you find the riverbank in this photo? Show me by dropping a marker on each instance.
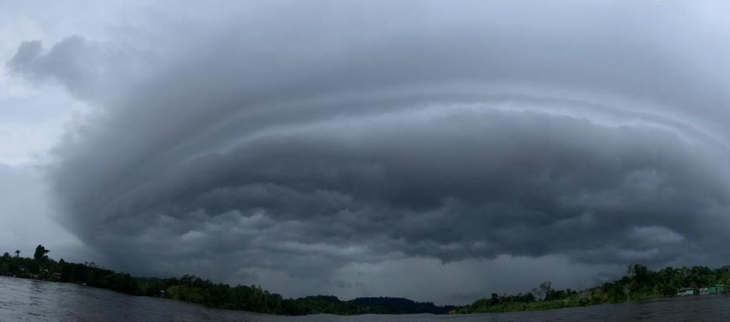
(640, 284)
(29, 300)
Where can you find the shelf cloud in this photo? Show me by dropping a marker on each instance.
(294, 141)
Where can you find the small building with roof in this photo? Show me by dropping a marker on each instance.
(687, 291)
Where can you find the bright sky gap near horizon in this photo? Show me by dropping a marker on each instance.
(435, 150)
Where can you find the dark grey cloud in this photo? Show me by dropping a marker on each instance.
(296, 144)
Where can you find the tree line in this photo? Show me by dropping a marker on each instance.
(193, 289)
(639, 284)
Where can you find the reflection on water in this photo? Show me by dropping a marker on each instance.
(28, 300)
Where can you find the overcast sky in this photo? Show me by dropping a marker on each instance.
(437, 150)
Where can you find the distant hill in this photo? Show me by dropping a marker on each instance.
(368, 305)
(398, 305)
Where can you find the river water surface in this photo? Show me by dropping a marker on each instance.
(29, 300)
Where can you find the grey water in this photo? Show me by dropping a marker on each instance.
(30, 300)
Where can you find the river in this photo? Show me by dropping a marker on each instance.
(30, 300)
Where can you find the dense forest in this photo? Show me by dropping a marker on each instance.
(641, 283)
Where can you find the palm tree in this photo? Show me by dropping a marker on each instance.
(17, 253)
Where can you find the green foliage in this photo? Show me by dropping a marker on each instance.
(641, 284)
(187, 294)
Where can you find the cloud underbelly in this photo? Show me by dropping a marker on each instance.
(431, 177)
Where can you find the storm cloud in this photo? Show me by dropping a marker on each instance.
(302, 139)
